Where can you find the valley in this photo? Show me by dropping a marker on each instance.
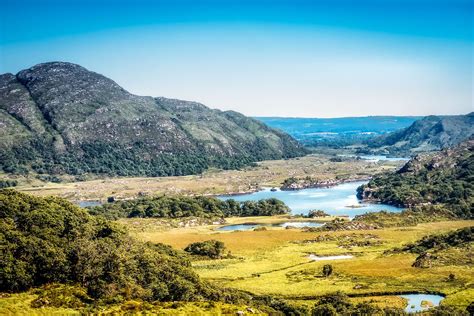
(236, 158)
(211, 182)
(283, 256)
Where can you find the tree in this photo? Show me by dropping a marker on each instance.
(327, 270)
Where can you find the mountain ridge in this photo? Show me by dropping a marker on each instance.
(430, 133)
(59, 117)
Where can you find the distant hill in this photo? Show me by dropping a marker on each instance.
(428, 134)
(443, 178)
(61, 118)
(338, 132)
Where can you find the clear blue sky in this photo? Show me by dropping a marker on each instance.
(322, 58)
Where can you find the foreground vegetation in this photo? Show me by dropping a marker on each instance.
(275, 262)
(60, 259)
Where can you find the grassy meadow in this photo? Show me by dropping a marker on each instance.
(275, 261)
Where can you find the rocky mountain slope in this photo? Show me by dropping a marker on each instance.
(428, 134)
(61, 118)
(445, 178)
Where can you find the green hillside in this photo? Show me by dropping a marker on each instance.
(443, 178)
(61, 118)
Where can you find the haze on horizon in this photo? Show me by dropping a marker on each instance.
(322, 58)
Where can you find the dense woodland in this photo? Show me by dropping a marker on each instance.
(50, 240)
(109, 159)
(184, 206)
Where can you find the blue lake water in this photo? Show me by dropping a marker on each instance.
(239, 227)
(414, 301)
(376, 158)
(252, 226)
(336, 200)
(89, 203)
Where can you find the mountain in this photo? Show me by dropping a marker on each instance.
(338, 132)
(59, 117)
(444, 178)
(428, 134)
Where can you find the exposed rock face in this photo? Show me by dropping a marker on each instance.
(428, 134)
(61, 118)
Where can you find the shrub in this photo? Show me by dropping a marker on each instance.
(327, 270)
(209, 248)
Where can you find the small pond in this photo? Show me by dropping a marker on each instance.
(299, 224)
(88, 203)
(421, 302)
(239, 227)
(321, 258)
(376, 158)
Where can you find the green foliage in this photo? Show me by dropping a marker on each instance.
(49, 240)
(448, 311)
(445, 178)
(408, 217)
(213, 249)
(184, 206)
(59, 295)
(457, 238)
(6, 183)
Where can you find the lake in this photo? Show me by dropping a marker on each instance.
(376, 158)
(252, 226)
(415, 301)
(337, 200)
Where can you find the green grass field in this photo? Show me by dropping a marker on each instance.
(276, 262)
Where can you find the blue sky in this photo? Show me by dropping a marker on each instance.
(269, 58)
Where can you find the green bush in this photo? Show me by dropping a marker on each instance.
(6, 183)
(209, 248)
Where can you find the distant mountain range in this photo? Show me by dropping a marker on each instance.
(428, 134)
(338, 132)
(389, 135)
(61, 118)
